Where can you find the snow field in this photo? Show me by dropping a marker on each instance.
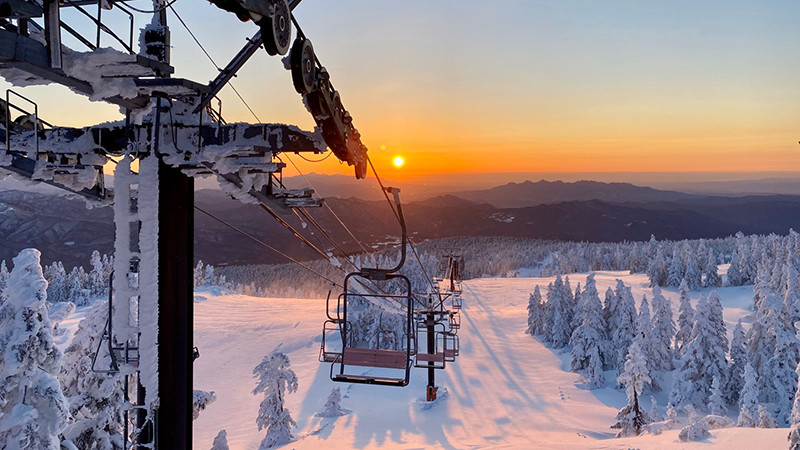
(506, 389)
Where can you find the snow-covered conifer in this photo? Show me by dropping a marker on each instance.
(734, 277)
(3, 279)
(685, 318)
(716, 403)
(535, 313)
(208, 277)
(557, 315)
(644, 335)
(220, 441)
(695, 430)
(692, 273)
(739, 359)
(200, 401)
(655, 414)
(275, 379)
(632, 417)
(663, 330)
(765, 419)
(95, 399)
(33, 410)
(332, 407)
(748, 400)
(97, 280)
(782, 371)
(675, 272)
(657, 269)
(198, 274)
(609, 319)
(625, 328)
(711, 277)
(703, 357)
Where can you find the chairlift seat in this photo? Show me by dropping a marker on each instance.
(428, 357)
(366, 379)
(366, 357)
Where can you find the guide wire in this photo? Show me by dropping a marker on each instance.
(264, 244)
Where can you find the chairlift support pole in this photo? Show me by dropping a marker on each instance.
(430, 321)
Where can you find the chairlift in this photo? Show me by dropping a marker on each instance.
(455, 321)
(429, 354)
(392, 365)
(450, 345)
(456, 303)
(117, 354)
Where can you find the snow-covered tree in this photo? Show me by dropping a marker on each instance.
(748, 400)
(782, 371)
(198, 274)
(765, 419)
(644, 336)
(208, 277)
(703, 357)
(632, 417)
(97, 279)
(3, 279)
(739, 359)
(220, 441)
(695, 430)
(691, 273)
(33, 410)
(655, 414)
(663, 330)
(716, 403)
(685, 318)
(625, 328)
(95, 399)
(275, 379)
(200, 400)
(558, 314)
(675, 272)
(711, 276)
(657, 269)
(332, 407)
(734, 272)
(535, 313)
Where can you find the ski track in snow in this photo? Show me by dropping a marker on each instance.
(506, 389)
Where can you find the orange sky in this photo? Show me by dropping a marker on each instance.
(535, 86)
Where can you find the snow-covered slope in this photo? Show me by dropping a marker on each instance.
(506, 390)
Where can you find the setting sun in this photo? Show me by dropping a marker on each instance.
(398, 161)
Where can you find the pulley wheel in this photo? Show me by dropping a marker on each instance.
(276, 30)
(304, 67)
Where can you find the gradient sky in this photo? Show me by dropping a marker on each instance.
(523, 85)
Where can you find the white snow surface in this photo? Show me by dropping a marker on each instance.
(506, 389)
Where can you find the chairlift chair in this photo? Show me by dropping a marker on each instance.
(450, 345)
(394, 365)
(424, 358)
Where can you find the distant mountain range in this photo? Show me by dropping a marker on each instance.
(585, 211)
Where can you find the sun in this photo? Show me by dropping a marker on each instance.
(398, 161)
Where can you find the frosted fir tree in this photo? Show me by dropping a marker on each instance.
(275, 380)
(734, 275)
(56, 278)
(625, 326)
(97, 278)
(791, 299)
(590, 308)
(644, 336)
(570, 304)
(663, 331)
(220, 441)
(632, 417)
(782, 372)
(3, 279)
(716, 402)
(557, 316)
(711, 276)
(794, 434)
(765, 419)
(655, 414)
(609, 319)
(33, 409)
(675, 272)
(576, 308)
(332, 407)
(95, 399)
(703, 358)
(200, 401)
(692, 273)
(748, 400)
(739, 359)
(535, 313)
(696, 430)
(208, 277)
(198, 274)
(585, 354)
(685, 318)
(657, 269)
(762, 342)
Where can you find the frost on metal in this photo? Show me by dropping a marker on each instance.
(125, 293)
(148, 279)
